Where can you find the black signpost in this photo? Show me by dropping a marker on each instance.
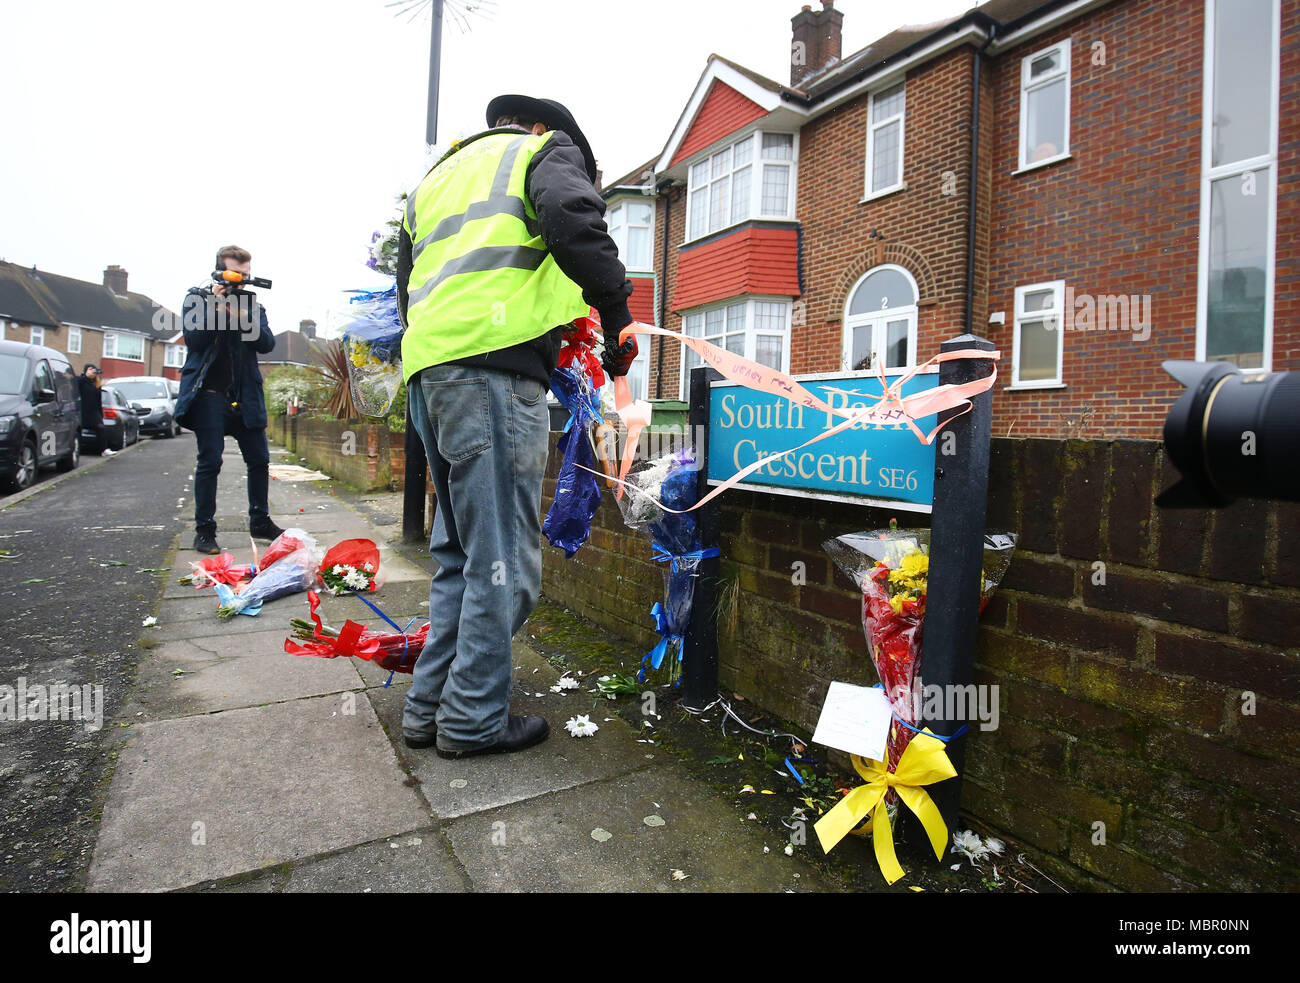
(700, 653)
(956, 559)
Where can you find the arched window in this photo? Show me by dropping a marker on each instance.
(880, 320)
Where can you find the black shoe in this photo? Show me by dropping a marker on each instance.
(206, 542)
(421, 742)
(266, 529)
(521, 732)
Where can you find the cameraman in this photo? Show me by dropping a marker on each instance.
(221, 394)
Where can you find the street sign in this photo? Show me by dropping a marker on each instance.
(867, 465)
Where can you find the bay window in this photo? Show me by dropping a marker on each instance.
(757, 328)
(127, 346)
(750, 179)
(631, 225)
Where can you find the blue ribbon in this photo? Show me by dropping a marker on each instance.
(366, 296)
(660, 554)
(916, 730)
(655, 657)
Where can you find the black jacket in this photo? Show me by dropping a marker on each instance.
(202, 330)
(571, 220)
(92, 403)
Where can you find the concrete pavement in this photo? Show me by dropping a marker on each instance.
(247, 769)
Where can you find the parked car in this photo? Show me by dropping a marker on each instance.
(40, 413)
(121, 423)
(155, 393)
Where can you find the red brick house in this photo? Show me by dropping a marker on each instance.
(1129, 197)
(124, 333)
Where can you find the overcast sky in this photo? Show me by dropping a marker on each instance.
(149, 132)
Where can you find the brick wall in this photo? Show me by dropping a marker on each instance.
(1121, 702)
(325, 445)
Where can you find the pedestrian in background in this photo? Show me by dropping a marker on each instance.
(90, 382)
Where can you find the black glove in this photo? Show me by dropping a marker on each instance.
(618, 358)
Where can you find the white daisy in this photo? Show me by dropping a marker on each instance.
(580, 726)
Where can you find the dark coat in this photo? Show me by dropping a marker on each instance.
(92, 403)
(202, 327)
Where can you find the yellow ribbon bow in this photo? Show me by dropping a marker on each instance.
(924, 762)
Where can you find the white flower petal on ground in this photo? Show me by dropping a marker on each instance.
(580, 726)
(789, 850)
(567, 682)
(149, 622)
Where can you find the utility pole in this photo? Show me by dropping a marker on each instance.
(417, 464)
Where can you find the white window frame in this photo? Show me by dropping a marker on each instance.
(621, 236)
(174, 357)
(74, 340)
(1211, 174)
(879, 319)
(110, 346)
(874, 124)
(757, 163)
(38, 335)
(750, 301)
(1026, 87)
(1058, 289)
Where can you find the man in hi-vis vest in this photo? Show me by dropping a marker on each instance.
(503, 242)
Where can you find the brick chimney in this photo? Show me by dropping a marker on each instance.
(115, 280)
(818, 40)
(307, 329)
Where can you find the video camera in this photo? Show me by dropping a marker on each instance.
(237, 281)
(1232, 435)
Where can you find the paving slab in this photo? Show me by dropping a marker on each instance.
(458, 788)
(546, 844)
(224, 673)
(269, 784)
(418, 862)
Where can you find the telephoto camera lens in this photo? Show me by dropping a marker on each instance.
(1232, 435)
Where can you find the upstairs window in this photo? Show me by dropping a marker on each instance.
(127, 346)
(752, 178)
(631, 225)
(74, 341)
(174, 358)
(38, 335)
(1045, 106)
(1239, 179)
(885, 141)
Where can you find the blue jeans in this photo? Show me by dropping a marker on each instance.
(212, 419)
(485, 433)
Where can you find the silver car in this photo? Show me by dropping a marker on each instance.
(154, 393)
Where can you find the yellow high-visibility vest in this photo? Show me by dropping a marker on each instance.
(482, 278)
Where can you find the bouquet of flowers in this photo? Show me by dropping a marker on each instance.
(288, 573)
(576, 383)
(676, 539)
(350, 566)
(219, 569)
(396, 652)
(891, 566)
(372, 344)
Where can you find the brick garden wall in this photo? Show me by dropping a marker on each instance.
(323, 444)
(1121, 703)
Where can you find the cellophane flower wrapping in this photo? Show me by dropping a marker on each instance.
(670, 479)
(289, 574)
(352, 565)
(577, 495)
(372, 342)
(394, 651)
(891, 567)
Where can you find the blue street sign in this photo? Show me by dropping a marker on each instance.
(870, 465)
